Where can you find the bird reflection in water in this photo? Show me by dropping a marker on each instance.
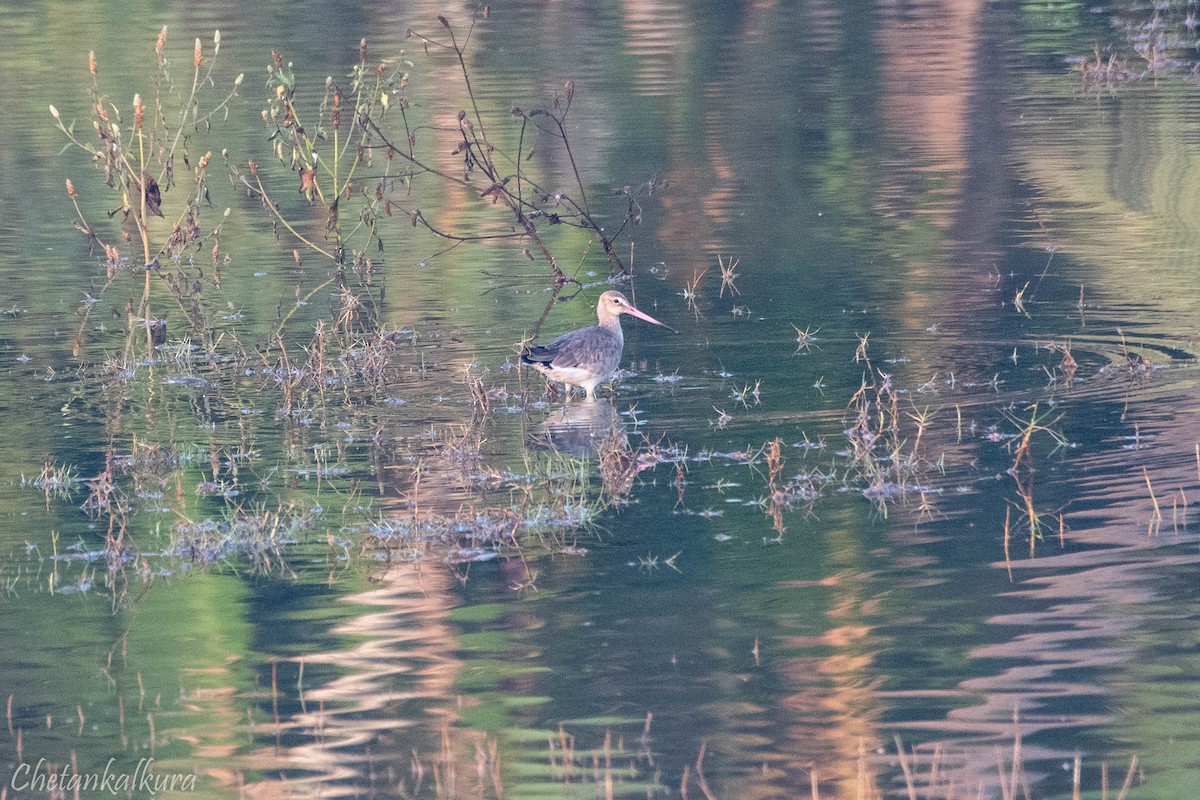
(594, 429)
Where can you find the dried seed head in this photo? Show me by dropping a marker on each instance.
(139, 111)
(442, 20)
(238, 80)
(278, 59)
(198, 56)
(70, 188)
(216, 42)
(253, 167)
(461, 115)
(53, 112)
(92, 61)
(408, 33)
(487, 12)
(162, 40)
(204, 160)
(362, 49)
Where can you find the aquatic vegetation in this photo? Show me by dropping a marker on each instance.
(260, 535)
(55, 480)
(139, 162)
(729, 275)
(615, 758)
(1159, 41)
(328, 432)
(297, 139)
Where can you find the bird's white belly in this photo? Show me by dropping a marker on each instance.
(576, 376)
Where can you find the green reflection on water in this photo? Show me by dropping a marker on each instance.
(866, 185)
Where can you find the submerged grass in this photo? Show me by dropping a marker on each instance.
(258, 535)
(454, 761)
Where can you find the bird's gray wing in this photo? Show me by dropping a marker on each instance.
(577, 348)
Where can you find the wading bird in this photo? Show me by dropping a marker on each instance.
(588, 356)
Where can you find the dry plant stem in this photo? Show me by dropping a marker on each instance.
(189, 105)
(907, 769)
(462, 63)
(527, 226)
(1156, 520)
(140, 219)
(1016, 755)
(273, 208)
(581, 208)
(481, 154)
(1133, 763)
(700, 779)
(1007, 532)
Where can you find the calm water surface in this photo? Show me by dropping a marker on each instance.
(927, 204)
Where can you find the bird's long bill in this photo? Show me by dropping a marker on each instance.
(648, 318)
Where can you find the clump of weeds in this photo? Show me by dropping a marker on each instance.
(257, 535)
(141, 148)
(55, 480)
(354, 149)
(1159, 42)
